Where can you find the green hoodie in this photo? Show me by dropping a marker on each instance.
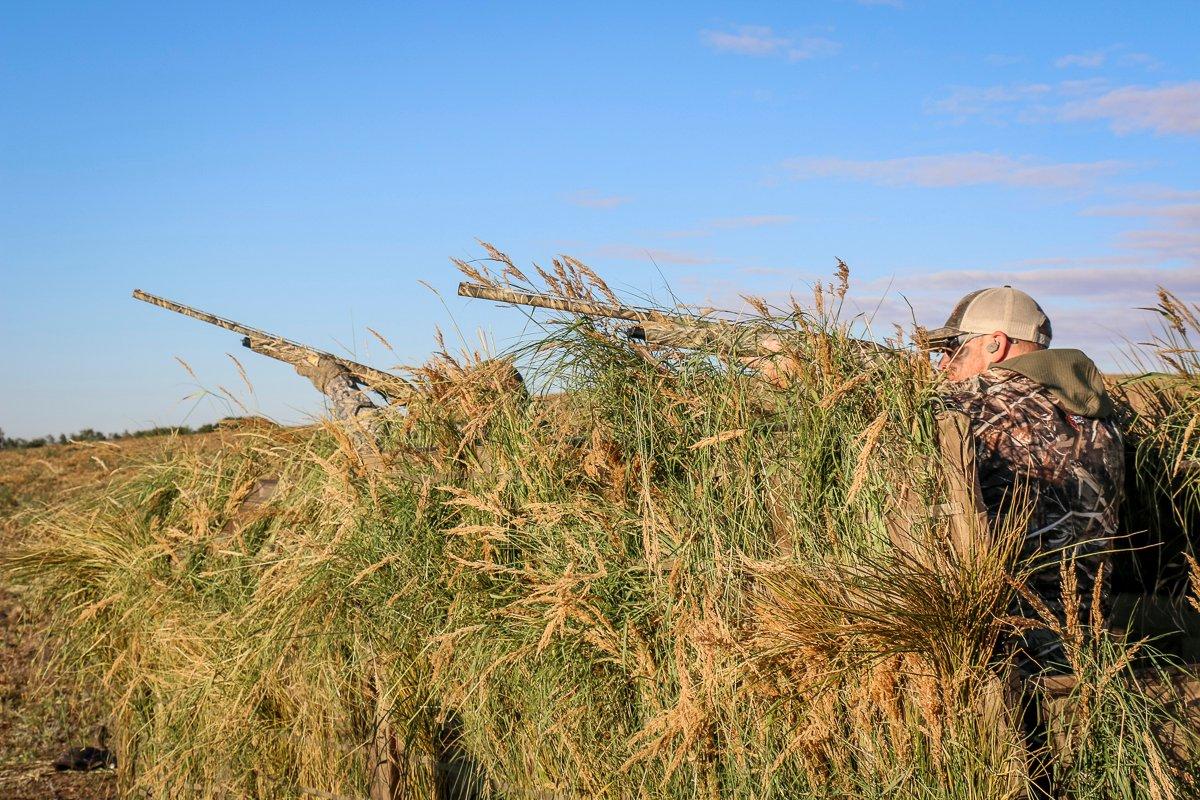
(1069, 375)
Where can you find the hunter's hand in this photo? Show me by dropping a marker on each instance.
(773, 365)
(322, 372)
(770, 344)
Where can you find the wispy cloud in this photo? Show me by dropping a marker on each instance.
(1084, 280)
(746, 40)
(628, 252)
(1157, 193)
(769, 271)
(1166, 109)
(957, 169)
(972, 101)
(1172, 235)
(1017, 102)
(590, 198)
(1114, 55)
(1092, 60)
(1168, 244)
(1144, 60)
(761, 40)
(711, 226)
(1179, 213)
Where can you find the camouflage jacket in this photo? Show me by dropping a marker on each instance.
(1033, 449)
(346, 400)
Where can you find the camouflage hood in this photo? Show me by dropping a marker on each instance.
(1069, 375)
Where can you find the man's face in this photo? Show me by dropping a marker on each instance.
(966, 360)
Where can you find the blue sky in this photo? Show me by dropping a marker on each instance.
(301, 167)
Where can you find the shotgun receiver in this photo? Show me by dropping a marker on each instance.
(392, 387)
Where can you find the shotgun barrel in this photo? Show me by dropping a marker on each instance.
(572, 305)
(392, 387)
(741, 339)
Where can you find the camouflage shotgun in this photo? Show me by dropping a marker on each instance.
(392, 387)
(657, 328)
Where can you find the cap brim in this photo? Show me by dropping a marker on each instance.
(942, 334)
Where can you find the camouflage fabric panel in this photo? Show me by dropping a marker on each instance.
(1067, 469)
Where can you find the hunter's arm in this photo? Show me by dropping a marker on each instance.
(331, 379)
(346, 400)
(349, 404)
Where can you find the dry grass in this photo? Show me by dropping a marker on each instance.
(669, 581)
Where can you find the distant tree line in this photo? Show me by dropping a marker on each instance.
(89, 435)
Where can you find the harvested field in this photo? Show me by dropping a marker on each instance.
(673, 581)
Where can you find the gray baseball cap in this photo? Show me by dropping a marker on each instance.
(1002, 308)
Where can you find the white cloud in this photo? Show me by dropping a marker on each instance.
(1092, 60)
(969, 101)
(590, 198)
(1082, 280)
(1167, 244)
(769, 271)
(627, 252)
(761, 40)
(1144, 60)
(1081, 87)
(747, 40)
(731, 223)
(1172, 237)
(1018, 102)
(1154, 192)
(1117, 54)
(1166, 109)
(957, 169)
(1186, 214)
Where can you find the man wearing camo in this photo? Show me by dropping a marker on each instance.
(1037, 424)
(1040, 422)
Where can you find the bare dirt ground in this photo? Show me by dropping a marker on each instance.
(44, 709)
(41, 714)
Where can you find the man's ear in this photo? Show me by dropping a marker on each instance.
(997, 348)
